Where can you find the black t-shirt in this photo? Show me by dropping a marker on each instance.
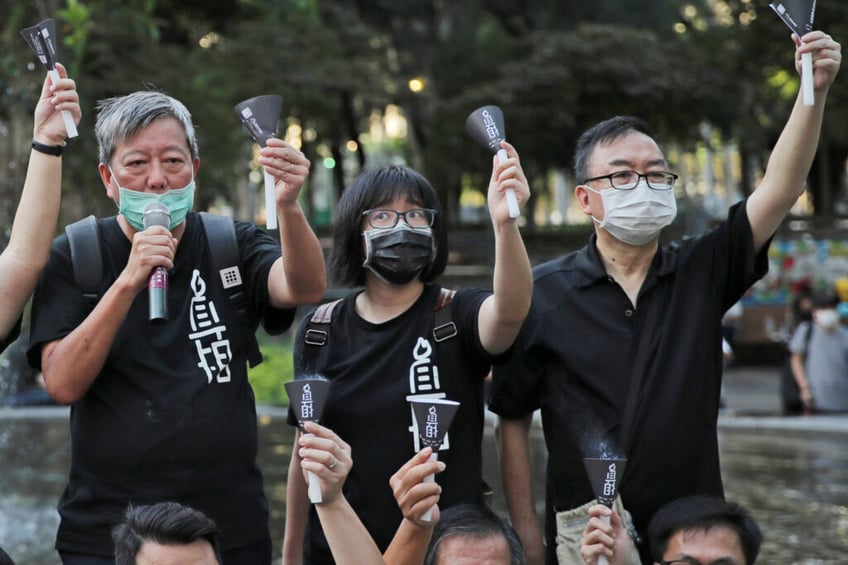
(374, 369)
(171, 416)
(574, 359)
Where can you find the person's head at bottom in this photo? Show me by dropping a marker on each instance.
(166, 533)
(469, 533)
(704, 530)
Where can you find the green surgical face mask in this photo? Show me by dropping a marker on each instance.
(132, 203)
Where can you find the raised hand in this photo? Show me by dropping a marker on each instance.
(826, 53)
(288, 166)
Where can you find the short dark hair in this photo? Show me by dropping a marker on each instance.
(476, 521)
(165, 523)
(698, 512)
(5, 559)
(602, 133)
(826, 299)
(374, 188)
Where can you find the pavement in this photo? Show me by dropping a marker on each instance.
(752, 400)
(751, 396)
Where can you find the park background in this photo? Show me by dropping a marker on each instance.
(372, 82)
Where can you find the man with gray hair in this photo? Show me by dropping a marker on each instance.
(470, 533)
(162, 409)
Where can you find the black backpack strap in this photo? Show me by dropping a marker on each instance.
(226, 263)
(318, 332)
(86, 259)
(807, 338)
(444, 327)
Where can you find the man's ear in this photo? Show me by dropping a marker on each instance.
(106, 177)
(581, 195)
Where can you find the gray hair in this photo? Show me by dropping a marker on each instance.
(120, 118)
(475, 522)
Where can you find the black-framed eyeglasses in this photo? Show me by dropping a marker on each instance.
(382, 218)
(689, 561)
(628, 180)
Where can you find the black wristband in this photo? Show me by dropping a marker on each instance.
(55, 150)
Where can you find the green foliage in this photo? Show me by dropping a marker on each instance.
(554, 68)
(269, 377)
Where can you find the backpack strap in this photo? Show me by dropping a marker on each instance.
(318, 332)
(807, 339)
(224, 256)
(86, 259)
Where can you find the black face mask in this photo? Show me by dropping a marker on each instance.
(397, 255)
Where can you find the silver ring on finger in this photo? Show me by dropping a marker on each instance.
(333, 464)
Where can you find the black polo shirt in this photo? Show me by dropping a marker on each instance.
(575, 355)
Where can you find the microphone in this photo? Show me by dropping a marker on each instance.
(157, 214)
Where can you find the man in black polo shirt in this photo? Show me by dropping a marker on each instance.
(577, 350)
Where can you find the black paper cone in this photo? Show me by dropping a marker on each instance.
(604, 474)
(486, 126)
(260, 116)
(307, 398)
(798, 15)
(434, 417)
(41, 39)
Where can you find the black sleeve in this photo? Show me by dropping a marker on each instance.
(744, 266)
(258, 252)
(58, 306)
(516, 381)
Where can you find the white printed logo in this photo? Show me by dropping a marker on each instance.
(207, 332)
(230, 276)
(423, 383)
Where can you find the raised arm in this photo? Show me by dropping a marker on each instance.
(792, 156)
(517, 478)
(414, 497)
(325, 454)
(35, 221)
(299, 276)
(502, 313)
(297, 508)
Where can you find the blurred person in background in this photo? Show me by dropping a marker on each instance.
(819, 359)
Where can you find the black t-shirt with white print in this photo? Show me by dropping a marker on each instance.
(171, 416)
(374, 369)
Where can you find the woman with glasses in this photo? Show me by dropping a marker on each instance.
(380, 346)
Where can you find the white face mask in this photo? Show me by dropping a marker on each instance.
(827, 319)
(636, 216)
